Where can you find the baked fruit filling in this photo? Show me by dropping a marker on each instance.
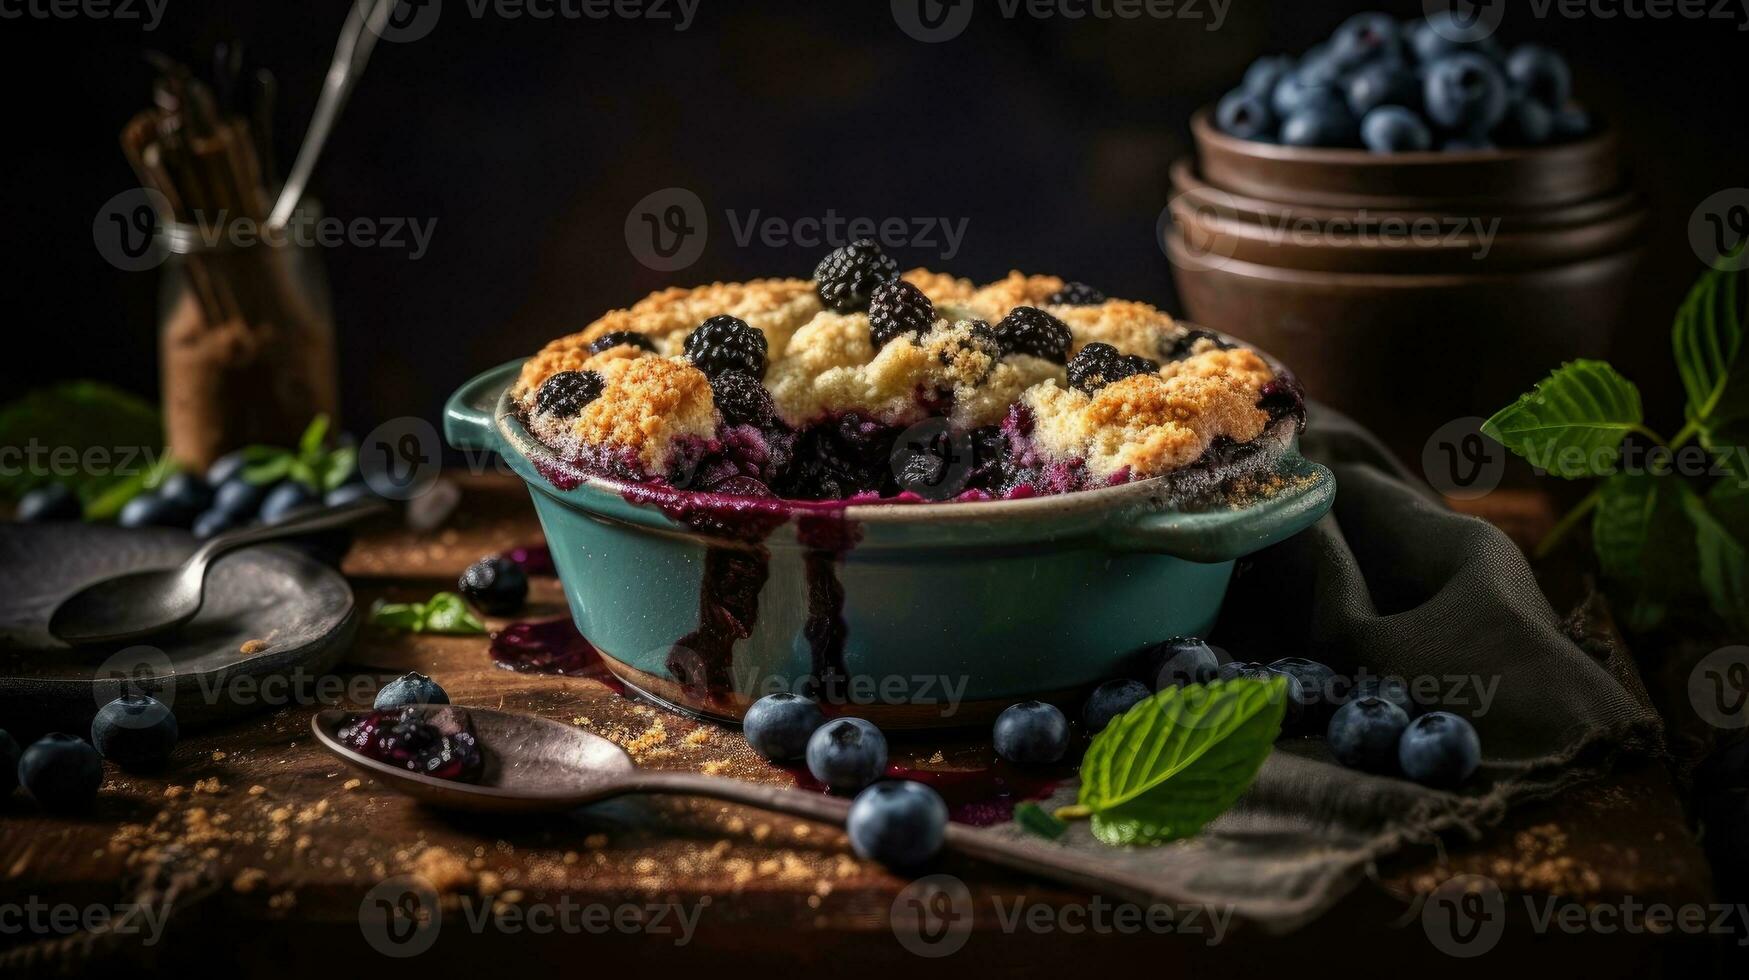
(864, 383)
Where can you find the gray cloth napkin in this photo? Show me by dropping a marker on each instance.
(1395, 584)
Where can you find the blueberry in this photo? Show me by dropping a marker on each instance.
(213, 522)
(1031, 733)
(1266, 72)
(1363, 734)
(1571, 123)
(1294, 93)
(1245, 115)
(1439, 749)
(409, 688)
(1181, 661)
(285, 498)
(1296, 695)
(1329, 125)
(1443, 35)
(1111, 699)
(496, 584)
(1465, 93)
(899, 823)
(186, 491)
(1394, 129)
(847, 754)
(61, 772)
(1392, 689)
(1319, 688)
(1364, 38)
(348, 493)
(239, 498)
(1540, 74)
(54, 502)
(226, 467)
(8, 763)
(150, 510)
(1382, 84)
(778, 726)
(1527, 123)
(135, 731)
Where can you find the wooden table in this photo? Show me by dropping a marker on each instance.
(265, 845)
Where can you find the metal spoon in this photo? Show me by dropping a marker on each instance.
(140, 604)
(537, 765)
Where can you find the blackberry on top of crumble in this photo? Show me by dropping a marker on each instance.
(800, 388)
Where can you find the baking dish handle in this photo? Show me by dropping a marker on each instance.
(467, 416)
(1222, 535)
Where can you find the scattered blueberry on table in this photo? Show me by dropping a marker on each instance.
(53, 502)
(61, 772)
(497, 585)
(778, 726)
(1031, 733)
(1364, 733)
(1439, 749)
(135, 731)
(847, 754)
(1405, 88)
(1180, 661)
(410, 688)
(899, 823)
(1111, 699)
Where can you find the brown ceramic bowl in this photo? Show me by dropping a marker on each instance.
(1408, 353)
(1215, 223)
(1520, 179)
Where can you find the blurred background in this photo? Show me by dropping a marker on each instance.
(528, 141)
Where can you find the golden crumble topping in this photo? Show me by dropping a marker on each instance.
(822, 365)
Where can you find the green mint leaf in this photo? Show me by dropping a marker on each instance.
(1708, 341)
(310, 443)
(302, 472)
(270, 470)
(107, 504)
(1033, 819)
(261, 454)
(110, 436)
(1572, 423)
(1645, 543)
(1724, 560)
(404, 616)
(339, 467)
(1168, 766)
(447, 612)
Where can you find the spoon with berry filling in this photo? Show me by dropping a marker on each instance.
(489, 761)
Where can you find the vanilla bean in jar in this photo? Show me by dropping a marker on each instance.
(246, 343)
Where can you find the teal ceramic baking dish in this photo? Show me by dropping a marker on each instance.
(912, 615)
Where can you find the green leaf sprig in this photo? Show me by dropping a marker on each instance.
(445, 613)
(313, 463)
(1162, 770)
(1663, 539)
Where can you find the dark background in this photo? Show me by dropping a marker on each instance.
(529, 141)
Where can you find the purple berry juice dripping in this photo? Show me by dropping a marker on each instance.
(552, 647)
(827, 538)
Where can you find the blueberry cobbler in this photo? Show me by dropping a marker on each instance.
(802, 389)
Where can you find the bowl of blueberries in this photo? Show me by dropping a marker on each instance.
(1408, 193)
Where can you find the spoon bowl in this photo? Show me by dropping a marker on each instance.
(135, 605)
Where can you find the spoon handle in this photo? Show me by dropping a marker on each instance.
(317, 520)
(1041, 860)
